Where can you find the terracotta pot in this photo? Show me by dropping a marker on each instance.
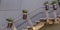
(25, 16)
(54, 7)
(46, 7)
(9, 25)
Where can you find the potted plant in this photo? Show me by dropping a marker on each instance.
(24, 14)
(54, 3)
(10, 22)
(46, 5)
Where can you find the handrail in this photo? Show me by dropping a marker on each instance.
(28, 14)
(36, 15)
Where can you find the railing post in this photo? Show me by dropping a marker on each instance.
(47, 8)
(47, 16)
(55, 15)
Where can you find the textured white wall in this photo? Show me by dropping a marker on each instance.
(9, 4)
(31, 5)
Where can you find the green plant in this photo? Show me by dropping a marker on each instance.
(53, 2)
(9, 20)
(46, 3)
(24, 11)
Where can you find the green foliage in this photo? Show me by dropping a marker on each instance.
(24, 11)
(46, 3)
(9, 20)
(53, 2)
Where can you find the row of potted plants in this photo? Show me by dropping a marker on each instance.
(53, 3)
(10, 20)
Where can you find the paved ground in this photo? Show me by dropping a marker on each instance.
(51, 27)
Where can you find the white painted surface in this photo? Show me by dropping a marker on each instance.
(9, 4)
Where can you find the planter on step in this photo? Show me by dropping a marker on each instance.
(10, 23)
(46, 5)
(24, 14)
(54, 5)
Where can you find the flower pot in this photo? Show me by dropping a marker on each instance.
(54, 7)
(25, 16)
(9, 25)
(46, 7)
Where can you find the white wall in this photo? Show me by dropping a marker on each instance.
(31, 5)
(9, 4)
